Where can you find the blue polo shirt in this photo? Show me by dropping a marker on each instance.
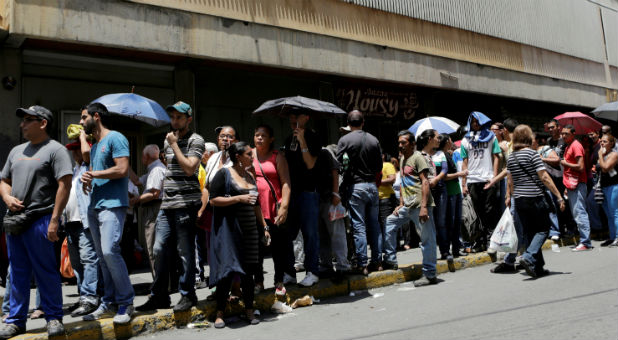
(109, 193)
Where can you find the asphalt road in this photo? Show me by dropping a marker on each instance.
(579, 300)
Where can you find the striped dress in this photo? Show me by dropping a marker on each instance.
(245, 214)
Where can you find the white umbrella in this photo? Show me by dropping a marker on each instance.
(440, 124)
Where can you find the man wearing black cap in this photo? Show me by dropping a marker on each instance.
(36, 180)
(181, 201)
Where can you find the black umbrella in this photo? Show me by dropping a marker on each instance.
(290, 105)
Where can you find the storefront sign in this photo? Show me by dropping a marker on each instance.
(378, 103)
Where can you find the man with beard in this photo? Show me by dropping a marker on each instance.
(108, 180)
(36, 181)
(181, 201)
(415, 205)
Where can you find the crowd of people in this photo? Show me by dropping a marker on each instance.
(226, 204)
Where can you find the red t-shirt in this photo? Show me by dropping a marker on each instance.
(265, 196)
(572, 177)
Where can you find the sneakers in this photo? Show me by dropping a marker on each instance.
(288, 279)
(280, 289)
(185, 304)
(309, 280)
(153, 304)
(54, 328)
(555, 238)
(83, 309)
(98, 313)
(503, 268)
(581, 247)
(9, 330)
(614, 244)
(426, 281)
(123, 316)
(528, 268)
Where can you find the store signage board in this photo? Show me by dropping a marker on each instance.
(378, 103)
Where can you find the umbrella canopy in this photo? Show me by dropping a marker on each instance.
(607, 111)
(440, 124)
(583, 123)
(287, 105)
(136, 107)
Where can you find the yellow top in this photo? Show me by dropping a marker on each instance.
(385, 191)
(201, 176)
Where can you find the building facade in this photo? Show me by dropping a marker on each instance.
(395, 60)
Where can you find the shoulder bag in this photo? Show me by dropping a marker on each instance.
(549, 202)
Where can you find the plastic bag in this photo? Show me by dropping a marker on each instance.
(280, 307)
(504, 237)
(66, 270)
(336, 212)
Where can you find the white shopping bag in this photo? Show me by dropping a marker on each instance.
(504, 237)
(336, 212)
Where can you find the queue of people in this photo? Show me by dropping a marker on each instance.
(224, 205)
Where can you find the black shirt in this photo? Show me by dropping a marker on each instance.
(327, 163)
(301, 178)
(365, 156)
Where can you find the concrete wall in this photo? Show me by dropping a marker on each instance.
(517, 70)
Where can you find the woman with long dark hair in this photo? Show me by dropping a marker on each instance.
(234, 248)
(273, 182)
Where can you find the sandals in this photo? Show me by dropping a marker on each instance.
(37, 314)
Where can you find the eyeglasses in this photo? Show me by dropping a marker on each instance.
(226, 137)
(564, 133)
(28, 120)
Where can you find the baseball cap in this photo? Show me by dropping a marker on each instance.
(181, 107)
(37, 111)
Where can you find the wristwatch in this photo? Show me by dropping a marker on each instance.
(304, 150)
(266, 228)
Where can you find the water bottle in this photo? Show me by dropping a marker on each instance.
(294, 144)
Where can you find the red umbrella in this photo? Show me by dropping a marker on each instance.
(583, 123)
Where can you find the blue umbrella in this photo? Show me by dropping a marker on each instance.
(440, 124)
(136, 107)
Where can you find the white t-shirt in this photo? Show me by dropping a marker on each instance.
(71, 210)
(213, 166)
(480, 159)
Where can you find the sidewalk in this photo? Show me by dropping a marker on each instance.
(144, 323)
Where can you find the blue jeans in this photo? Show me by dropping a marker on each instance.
(6, 302)
(303, 215)
(453, 221)
(175, 224)
(439, 216)
(577, 202)
(84, 261)
(30, 252)
(611, 209)
(106, 227)
(554, 229)
(426, 231)
(364, 206)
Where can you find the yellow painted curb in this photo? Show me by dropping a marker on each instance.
(144, 323)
